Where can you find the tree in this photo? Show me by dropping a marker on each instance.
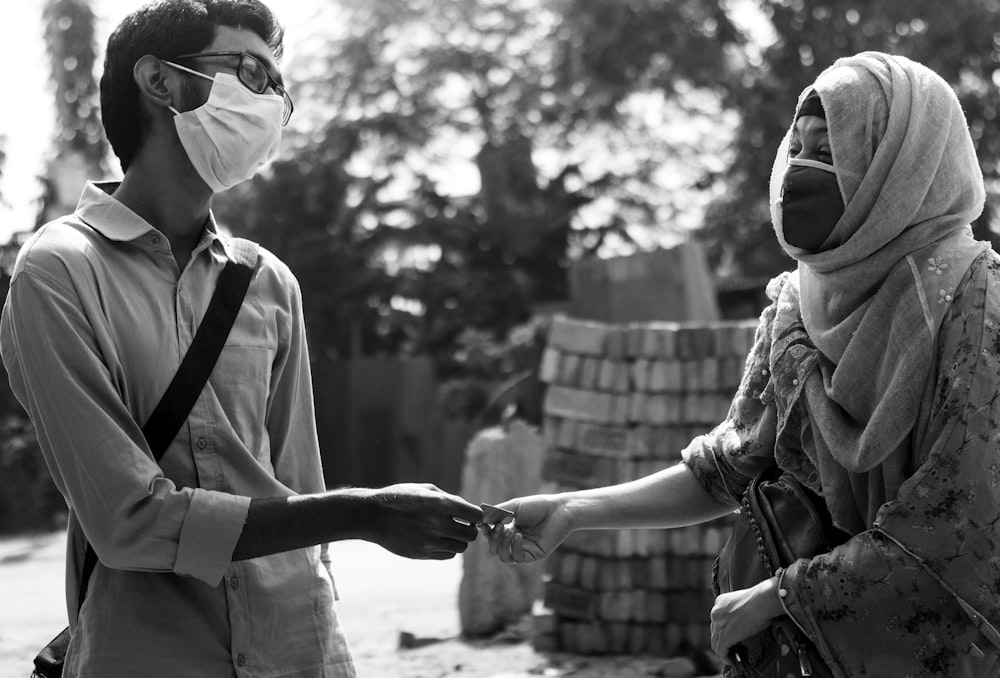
(468, 149)
(79, 148)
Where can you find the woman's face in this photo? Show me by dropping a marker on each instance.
(811, 200)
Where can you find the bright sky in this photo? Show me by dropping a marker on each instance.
(26, 111)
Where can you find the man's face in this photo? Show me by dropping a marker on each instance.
(227, 39)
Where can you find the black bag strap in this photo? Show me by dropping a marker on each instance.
(174, 407)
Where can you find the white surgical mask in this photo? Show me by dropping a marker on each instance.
(233, 134)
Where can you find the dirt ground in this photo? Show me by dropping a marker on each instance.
(401, 617)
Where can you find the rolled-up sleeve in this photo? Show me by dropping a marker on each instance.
(726, 459)
(134, 517)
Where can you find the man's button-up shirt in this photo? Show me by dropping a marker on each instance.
(96, 323)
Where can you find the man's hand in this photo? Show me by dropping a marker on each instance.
(738, 615)
(541, 523)
(421, 521)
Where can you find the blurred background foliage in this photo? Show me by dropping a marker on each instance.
(588, 127)
(449, 159)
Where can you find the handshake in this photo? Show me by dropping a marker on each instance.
(424, 522)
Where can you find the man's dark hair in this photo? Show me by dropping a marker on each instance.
(167, 29)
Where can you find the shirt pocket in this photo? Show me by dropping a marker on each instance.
(242, 383)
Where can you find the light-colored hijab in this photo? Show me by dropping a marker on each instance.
(911, 185)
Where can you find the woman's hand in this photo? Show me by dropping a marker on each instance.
(738, 615)
(541, 523)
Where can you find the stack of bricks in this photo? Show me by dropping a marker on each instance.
(621, 403)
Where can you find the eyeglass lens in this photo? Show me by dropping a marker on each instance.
(254, 75)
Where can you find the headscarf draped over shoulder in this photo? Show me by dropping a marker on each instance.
(869, 299)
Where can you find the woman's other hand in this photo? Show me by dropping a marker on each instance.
(739, 615)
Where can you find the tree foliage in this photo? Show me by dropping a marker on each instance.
(72, 49)
(79, 147)
(454, 156)
(464, 150)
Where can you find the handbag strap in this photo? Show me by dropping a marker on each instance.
(175, 405)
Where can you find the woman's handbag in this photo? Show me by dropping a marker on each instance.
(174, 406)
(781, 521)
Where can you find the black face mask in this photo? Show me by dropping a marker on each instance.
(810, 205)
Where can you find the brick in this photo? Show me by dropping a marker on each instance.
(702, 408)
(566, 438)
(698, 634)
(548, 369)
(607, 606)
(692, 376)
(656, 607)
(617, 639)
(545, 643)
(592, 542)
(658, 542)
(658, 580)
(620, 410)
(640, 370)
(577, 470)
(567, 568)
(544, 621)
(658, 641)
(569, 370)
(684, 541)
(573, 403)
(550, 431)
(634, 339)
(695, 342)
(588, 373)
(674, 376)
(570, 602)
(660, 341)
(607, 441)
(710, 374)
(577, 336)
(590, 568)
(623, 575)
(659, 409)
(638, 641)
(659, 376)
(614, 376)
(616, 344)
(675, 636)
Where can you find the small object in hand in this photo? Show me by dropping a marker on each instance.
(494, 515)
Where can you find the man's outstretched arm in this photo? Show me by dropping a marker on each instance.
(410, 520)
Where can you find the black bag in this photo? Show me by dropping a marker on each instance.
(781, 521)
(173, 408)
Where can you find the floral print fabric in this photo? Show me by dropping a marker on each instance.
(886, 603)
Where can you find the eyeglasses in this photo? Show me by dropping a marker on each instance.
(252, 72)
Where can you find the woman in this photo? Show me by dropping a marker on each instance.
(874, 380)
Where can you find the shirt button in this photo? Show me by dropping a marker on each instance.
(782, 593)
(234, 583)
(795, 382)
(201, 443)
(240, 660)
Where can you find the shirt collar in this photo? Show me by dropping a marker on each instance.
(107, 215)
(112, 219)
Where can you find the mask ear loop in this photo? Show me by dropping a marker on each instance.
(187, 70)
(816, 164)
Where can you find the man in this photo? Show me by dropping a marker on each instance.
(209, 564)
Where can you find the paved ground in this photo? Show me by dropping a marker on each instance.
(383, 598)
